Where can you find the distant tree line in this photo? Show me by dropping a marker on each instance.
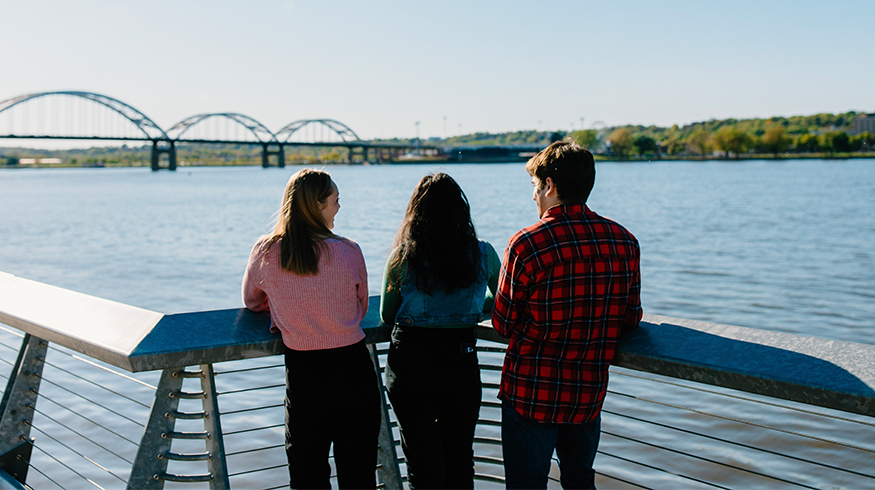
(820, 134)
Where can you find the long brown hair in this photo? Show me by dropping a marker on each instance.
(437, 236)
(300, 226)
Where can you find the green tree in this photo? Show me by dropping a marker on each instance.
(866, 140)
(331, 156)
(807, 143)
(587, 138)
(775, 140)
(730, 139)
(834, 141)
(645, 145)
(674, 144)
(621, 142)
(699, 142)
(842, 142)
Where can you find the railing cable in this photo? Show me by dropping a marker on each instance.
(627, 482)
(258, 368)
(98, 385)
(242, 410)
(122, 375)
(91, 401)
(701, 458)
(86, 458)
(245, 451)
(244, 390)
(729, 395)
(47, 477)
(243, 431)
(65, 465)
(82, 436)
(93, 422)
(753, 424)
(16, 333)
(663, 470)
(739, 444)
(257, 470)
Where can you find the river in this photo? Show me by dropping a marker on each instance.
(781, 245)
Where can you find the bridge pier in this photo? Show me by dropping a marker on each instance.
(157, 150)
(265, 156)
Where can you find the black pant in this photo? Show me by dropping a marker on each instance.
(332, 396)
(434, 385)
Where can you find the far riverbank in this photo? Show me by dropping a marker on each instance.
(46, 162)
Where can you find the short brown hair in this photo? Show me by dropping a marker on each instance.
(571, 167)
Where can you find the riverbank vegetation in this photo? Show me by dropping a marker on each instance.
(820, 135)
(815, 136)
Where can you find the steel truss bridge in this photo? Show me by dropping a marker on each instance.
(73, 115)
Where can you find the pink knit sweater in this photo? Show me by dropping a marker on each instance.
(311, 312)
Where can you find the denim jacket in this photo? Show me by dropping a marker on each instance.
(458, 307)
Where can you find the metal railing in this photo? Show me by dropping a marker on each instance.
(194, 400)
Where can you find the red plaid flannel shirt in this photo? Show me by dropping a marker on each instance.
(569, 284)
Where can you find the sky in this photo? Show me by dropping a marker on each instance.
(456, 67)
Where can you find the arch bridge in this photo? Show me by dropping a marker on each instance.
(77, 115)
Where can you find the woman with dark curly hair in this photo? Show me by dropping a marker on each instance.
(439, 281)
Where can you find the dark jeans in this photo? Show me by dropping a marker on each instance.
(434, 385)
(528, 448)
(332, 397)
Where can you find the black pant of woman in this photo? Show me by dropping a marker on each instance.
(332, 397)
(433, 381)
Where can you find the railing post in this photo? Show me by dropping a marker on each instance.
(150, 467)
(215, 442)
(18, 406)
(151, 462)
(387, 457)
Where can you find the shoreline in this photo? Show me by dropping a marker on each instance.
(598, 159)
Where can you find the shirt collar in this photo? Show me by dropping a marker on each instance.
(566, 209)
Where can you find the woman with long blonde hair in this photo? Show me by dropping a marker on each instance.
(315, 285)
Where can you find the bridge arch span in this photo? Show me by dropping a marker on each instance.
(293, 129)
(150, 130)
(256, 129)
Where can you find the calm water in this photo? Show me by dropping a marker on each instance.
(775, 245)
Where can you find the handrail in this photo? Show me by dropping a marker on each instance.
(828, 373)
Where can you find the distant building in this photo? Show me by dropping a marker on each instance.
(44, 161)
(864, 123)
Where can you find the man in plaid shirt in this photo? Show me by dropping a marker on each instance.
(569, 285)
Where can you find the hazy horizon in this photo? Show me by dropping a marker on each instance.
(455, 67)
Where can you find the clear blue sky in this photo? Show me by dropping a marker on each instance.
(486, 66)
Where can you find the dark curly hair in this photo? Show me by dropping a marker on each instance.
(437, 236)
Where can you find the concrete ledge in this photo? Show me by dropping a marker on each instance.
(827, 373)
